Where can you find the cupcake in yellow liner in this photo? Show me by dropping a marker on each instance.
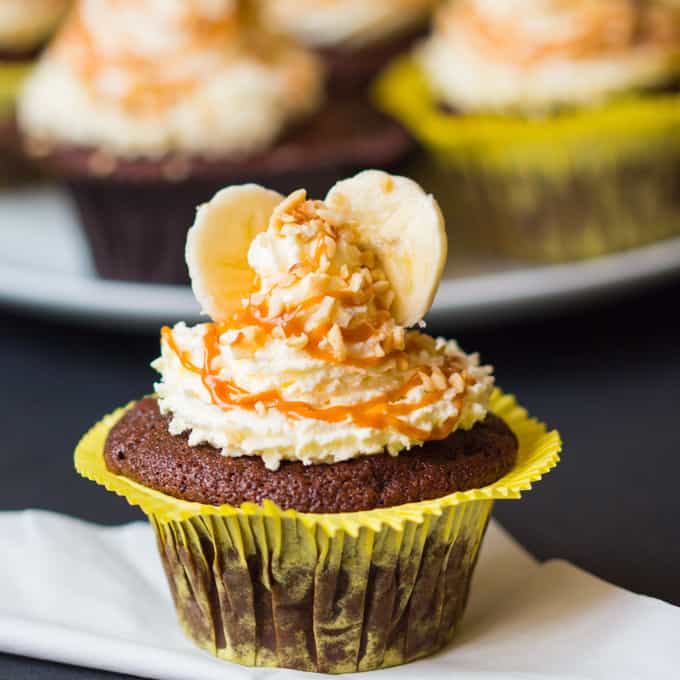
(555, 130)
(25, 26)
(319, 478)
(355, 38)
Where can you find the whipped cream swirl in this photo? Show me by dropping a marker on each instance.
(147, 78)
(537, 54)
(314, 367)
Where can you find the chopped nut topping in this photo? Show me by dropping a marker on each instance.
(438, 379)
(456, 381)
(337, 342)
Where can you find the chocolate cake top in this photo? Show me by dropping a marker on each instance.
(140, 447)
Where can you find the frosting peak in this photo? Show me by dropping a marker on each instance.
(122, 29)
(313, 272)
(524, 32)
(537, 54)
(152, 77)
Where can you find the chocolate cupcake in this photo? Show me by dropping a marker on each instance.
(355, 38)
(146, 110)
(25, 26)
(554, 126)
(319, 477)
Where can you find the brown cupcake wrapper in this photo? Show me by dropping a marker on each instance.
(15, 168)
(583, 213)
(272, 592)
(137, 231)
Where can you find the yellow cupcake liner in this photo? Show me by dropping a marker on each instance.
(324, 592)
(574, 184)
(636, 124)
(12, 75)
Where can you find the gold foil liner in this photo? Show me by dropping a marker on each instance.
(573, 184)
(324, 592)
(12, 75)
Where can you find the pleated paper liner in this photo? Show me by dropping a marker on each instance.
(324, 592)
(572, 184)
(12, 74)
(14, 168)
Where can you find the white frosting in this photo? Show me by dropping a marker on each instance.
(313, 274)
(555, 54)
(276, 436)
(325, 23)
(166, 76)
(24, 24)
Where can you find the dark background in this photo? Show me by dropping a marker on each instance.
(608, 377)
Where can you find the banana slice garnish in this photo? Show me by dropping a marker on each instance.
(218, 242)
(405, 228)
(394, 217)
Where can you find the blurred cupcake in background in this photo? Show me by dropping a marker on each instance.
(25, 26)
(555, 124)
(356, 38)
(146, 108)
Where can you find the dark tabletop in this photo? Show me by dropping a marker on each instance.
(607, 377)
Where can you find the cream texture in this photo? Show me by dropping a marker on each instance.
(25, 24)
(339, 346)
(276, 436)
(352, 23)
(150, 77)
(496, 55)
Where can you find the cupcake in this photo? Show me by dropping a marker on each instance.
(144, 109)
(554, 124)
(25, 26)
(354, 37)
(319, 477)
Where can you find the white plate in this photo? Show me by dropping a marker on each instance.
(45, 267)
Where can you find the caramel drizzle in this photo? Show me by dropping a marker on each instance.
(379, 413)
(153, 90)
(292, 323)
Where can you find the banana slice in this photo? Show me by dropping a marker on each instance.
(217, 246)
(405, 228)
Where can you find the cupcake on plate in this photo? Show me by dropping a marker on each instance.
(355, 38)
(25, 26)
(319, 477)
(555, 124)
(146, 108)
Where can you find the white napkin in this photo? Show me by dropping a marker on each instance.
(83, 594)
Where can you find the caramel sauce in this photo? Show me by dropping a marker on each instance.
(379, 413)
(292, 324)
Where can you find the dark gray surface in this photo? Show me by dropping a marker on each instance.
(608, 378)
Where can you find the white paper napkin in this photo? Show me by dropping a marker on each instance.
(93, 596)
